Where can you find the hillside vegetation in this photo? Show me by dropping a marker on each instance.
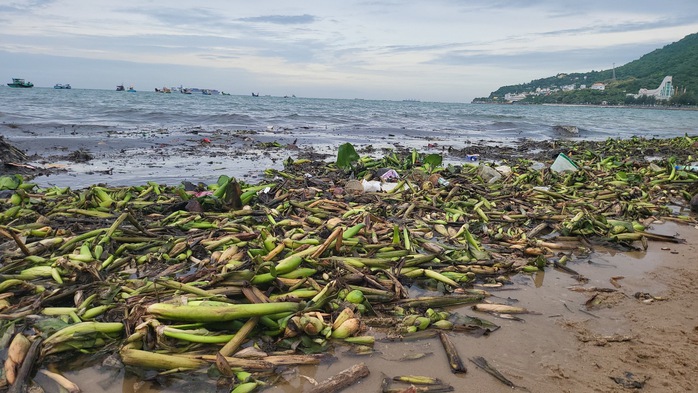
(679, 59)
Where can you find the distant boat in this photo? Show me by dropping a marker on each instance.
(163, 90)
(120, 88)
(18, 82)
(131, 89)
(61, 86)
(206, 92)
(255, 94)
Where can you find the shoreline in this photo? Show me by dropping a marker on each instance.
(652, 107)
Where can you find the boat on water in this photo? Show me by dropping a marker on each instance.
(19, 82)
(62, 86)
(120, 87)
(255, 94)
(163, 90)
(131, 89)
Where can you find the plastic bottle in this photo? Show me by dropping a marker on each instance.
(693, 168)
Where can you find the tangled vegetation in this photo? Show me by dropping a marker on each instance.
(180, 278)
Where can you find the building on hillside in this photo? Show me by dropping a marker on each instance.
(514, 97)
(568, 87)
(663, 92)
(598, 86)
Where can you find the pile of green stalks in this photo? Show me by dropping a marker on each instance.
(180, 278)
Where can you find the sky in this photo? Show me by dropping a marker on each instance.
(433, 50)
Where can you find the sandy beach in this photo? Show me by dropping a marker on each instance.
(633, 326)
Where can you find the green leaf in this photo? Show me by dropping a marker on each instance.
(346, 155)
(433, 159)
(10, 182)
(223, 180)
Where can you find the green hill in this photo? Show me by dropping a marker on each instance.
(679, 59)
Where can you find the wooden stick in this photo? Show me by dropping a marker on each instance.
(454, 359)
(342, 380)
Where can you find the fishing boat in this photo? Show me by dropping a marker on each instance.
(131, 89)
(120, 88)
(18, 82)
(62, 86)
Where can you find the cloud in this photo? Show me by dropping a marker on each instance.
(281, 19)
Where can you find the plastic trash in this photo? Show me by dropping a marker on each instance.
(505, 170)
(389, 175)
(488, 174)
(472, 157)
(563, 163)
(692, 168)
(377, 186)
(537, 165)
(371, 186)
(388, 186)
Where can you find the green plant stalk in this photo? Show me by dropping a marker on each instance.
(84, 328)
(196, 338)
(187, 288)
(79, 238)
(158, 361)
(195, 313)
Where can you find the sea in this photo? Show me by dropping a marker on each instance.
(92, 119)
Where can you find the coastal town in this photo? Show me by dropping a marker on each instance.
(664, 92)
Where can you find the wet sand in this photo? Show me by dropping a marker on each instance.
(566, 347)
(133, 157)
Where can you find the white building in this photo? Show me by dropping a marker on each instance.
(663, 92)
(598, 86)
(514, 97)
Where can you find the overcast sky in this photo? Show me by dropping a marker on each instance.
(436, 50)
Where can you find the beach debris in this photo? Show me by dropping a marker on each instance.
(418, 383)
(346, 154)
(342, 380)
(80, 156)
(387, 175)
(482, 363)
(647, 297)
(630, 381)
(176, 278)
(10, 154)
(563, 163)
(488, 174)
(454, 359)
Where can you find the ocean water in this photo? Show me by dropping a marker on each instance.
(48, 111)
(149, 136)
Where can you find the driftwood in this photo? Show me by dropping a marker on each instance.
(342, 380)
(27, 365)
(454, 359)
